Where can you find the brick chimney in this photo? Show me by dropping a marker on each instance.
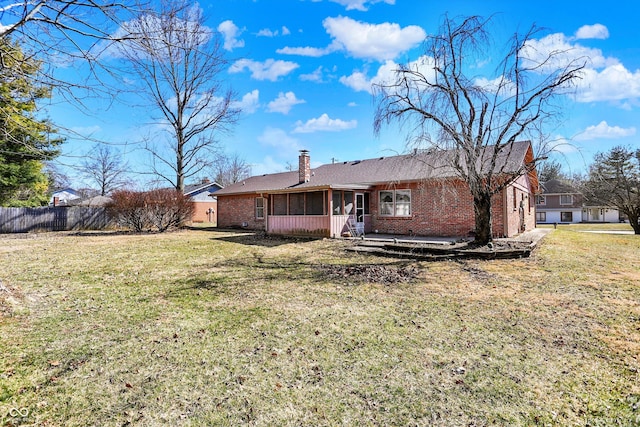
(304, 167)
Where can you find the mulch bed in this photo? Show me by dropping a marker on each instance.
(370, 273)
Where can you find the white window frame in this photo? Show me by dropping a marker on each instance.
(542, 200)
(260, 201)
(541, 217)
(395, 208)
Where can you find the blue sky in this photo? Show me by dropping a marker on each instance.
(302, 70)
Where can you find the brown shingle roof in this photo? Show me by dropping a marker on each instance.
(361, 173)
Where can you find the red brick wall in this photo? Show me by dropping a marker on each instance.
(438, 209)
(201, 212)
(441, 209)
(233, 211)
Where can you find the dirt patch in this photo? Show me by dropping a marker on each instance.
(10, 299)
(371, 273)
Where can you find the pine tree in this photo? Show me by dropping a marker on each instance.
(25, 139)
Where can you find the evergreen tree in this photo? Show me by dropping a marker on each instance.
(614, 180)
(25, 139)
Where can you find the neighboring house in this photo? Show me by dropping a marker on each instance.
(92, 202)
(561, 203)
(415, 194)
(64, 197)
(206, 204)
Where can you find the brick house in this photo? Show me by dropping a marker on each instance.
(561, 203)
(205, 201)
(414, 194)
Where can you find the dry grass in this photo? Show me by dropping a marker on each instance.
(213, 328)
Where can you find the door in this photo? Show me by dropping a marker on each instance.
(360, 213)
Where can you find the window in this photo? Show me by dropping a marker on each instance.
(395, 203)
(541, 217)
(259, 207)
(566, 216)
(541, 200)
(566, 199)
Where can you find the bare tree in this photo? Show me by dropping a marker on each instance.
(63, 31)
(178, 61)
(229, 169)
(476, 120)
(105, 169)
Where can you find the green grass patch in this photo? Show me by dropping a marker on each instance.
(205, 327)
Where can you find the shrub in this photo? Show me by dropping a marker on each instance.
(159, 210)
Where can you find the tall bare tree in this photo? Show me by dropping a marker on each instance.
(63, 31)
(478, 120)
(105, 169)
(178, 60)
(230, 168)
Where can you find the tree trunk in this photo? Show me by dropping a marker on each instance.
(633, 220)
(482, 209)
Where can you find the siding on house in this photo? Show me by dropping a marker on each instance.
(441, 203)
(439, 208)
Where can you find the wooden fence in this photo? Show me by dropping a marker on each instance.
(23, 220)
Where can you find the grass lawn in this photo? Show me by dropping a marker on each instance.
(203, 327)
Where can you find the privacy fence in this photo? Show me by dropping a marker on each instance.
(23, 220)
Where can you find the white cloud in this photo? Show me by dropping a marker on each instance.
(266, 32)
(373, 41)
(230, 33)
(313, 52)
(283, 103)
(250, 102)
(556, 51)
(324, 123)
(315, 76)
(359, 80)
(596, 31)
(603, 131)
(562, 145)
(268, 165)
(285, 145)
(614, 83)
(267, 70)
(362, 40)
(602, 79)
(499, 84)
(360, 4)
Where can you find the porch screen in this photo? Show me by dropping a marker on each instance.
(315, 203)
(349, 208)
(296, 204)
(279, 204)
(336, 197)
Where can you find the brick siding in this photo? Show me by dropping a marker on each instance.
(438, 208)
(201, 212)
(233, 211)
